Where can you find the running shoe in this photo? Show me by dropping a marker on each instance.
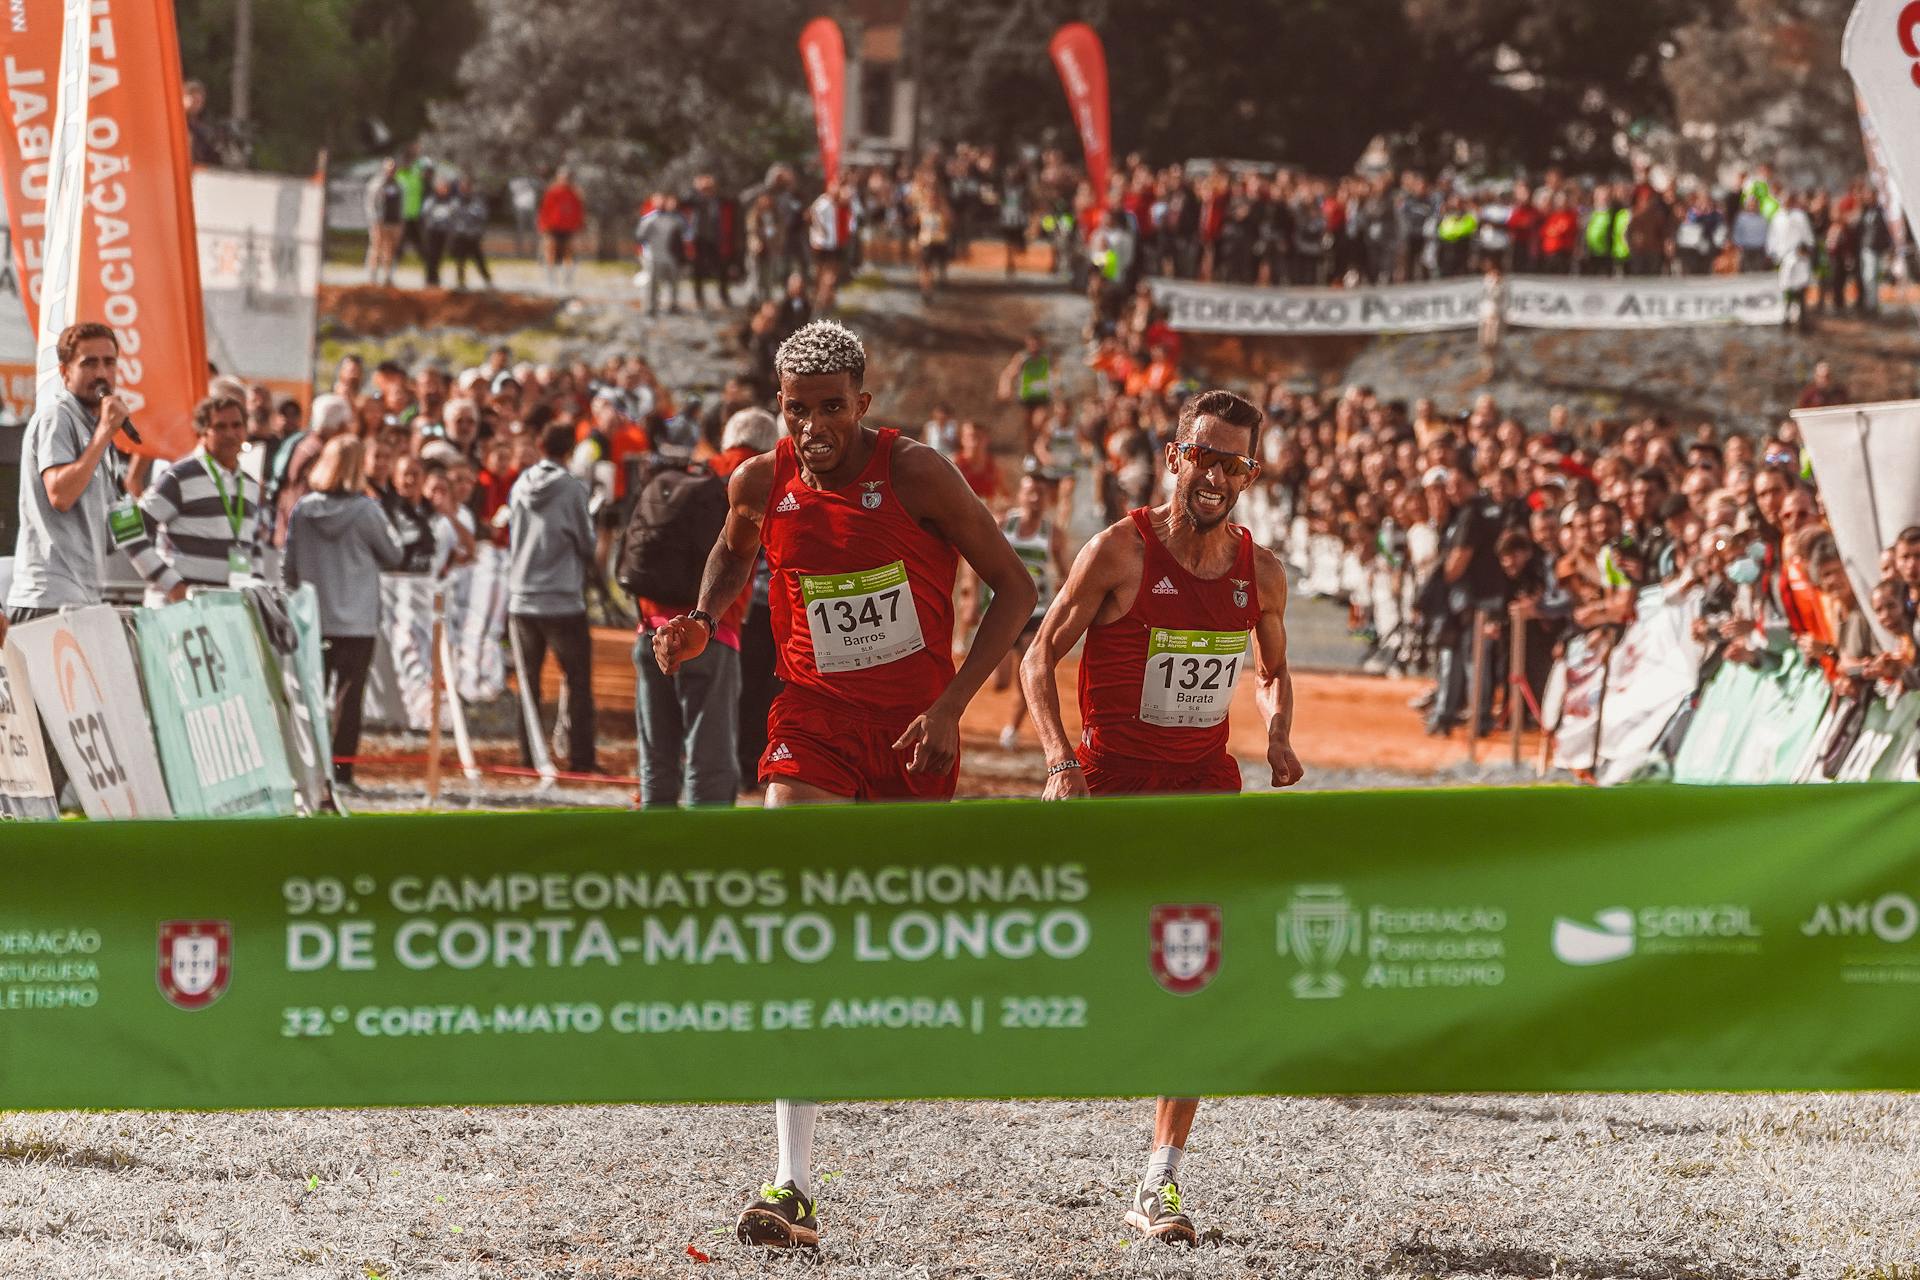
(1156, 1213)
(782, 1218)
(1009, 737)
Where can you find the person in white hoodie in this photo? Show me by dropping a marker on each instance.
(1789, 229)
(550, 555)
(1796, 277)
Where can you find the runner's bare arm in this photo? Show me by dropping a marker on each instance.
(729, 567)
(942, 500)
(1102, 569)
(1273, 693)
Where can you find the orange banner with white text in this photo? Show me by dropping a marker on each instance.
(1081, 61)
(30, 62)
(139, 261)
(823, 52)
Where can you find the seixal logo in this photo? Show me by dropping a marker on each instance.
(1609, 938)
(1618, 932)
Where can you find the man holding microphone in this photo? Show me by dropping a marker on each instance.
(67, 487)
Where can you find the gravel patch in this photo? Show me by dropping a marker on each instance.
(1654, 1187)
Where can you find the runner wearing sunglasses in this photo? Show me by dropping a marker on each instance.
(1175, 603)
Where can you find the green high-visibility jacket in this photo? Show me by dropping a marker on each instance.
(1621, 217)
(1457, 226)
(413, 190)
(1600, 232)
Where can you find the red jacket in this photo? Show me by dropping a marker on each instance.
(1523, 224)
(561, 209)
(1558, 231)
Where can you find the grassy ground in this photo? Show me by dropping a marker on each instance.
(1653, 1187)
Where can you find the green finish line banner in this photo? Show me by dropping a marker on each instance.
(1757, 938)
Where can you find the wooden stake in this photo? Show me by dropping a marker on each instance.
(1517, 681)
(433, 721)
(1476, 682)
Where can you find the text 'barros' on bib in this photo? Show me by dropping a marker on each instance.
(860, 620)
(1190, 676)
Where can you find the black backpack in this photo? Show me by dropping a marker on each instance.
(670, 534)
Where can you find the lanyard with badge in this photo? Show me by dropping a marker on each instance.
(239, 566)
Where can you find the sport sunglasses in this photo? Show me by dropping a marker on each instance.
(1234, 465)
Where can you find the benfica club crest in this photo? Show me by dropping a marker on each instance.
(1239, 592)
(871, 498)
(196, 960)
(1183, 947)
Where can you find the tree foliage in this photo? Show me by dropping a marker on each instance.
(1312, 82)
(325, 70)
(629, 93)
(1767, 84)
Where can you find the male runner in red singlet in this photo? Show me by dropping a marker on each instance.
(1175, 603)
(863, 531)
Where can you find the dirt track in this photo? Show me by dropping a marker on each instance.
(1345, 722)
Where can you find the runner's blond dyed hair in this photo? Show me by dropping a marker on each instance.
(821, 347)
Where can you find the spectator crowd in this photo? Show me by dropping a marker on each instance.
(1235, 222)
(1431, 525)
(1256, 225)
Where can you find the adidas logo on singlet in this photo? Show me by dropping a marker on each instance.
(1165, 587)
(780, 751)
(788, 503)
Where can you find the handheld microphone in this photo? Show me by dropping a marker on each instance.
(103, 387)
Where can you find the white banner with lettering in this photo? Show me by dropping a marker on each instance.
(1537, 302)
(1866, 458)
(1389, 308)
(259, 270)
(80, 667)
(1652, 671)
(1879, 49)
(1643, 302)
(26, 784)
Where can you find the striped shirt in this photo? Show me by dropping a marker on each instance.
(188, 529)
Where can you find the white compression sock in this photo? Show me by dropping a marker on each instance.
(793, 1124)
(1165, 1165)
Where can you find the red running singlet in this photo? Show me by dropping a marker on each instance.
(1156, 682)
(861, 595)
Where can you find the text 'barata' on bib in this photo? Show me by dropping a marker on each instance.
(1190, 676)
(861, 620)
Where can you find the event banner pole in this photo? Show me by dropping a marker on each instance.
(65, 201)
(1476, 684)
(1516, 683)
(1419, 941)
(439, 677)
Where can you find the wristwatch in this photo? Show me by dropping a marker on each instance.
(704, 618)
